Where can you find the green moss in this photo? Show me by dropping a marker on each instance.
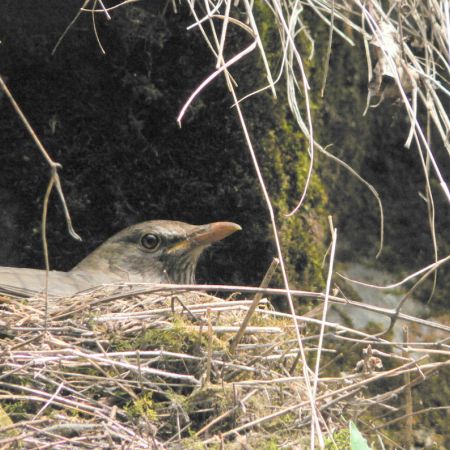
(340, 441)
(142, 407)
(271, 444)
(196, 444)
(18, 410)
(177, 337)
(285, 167)
(211, 396)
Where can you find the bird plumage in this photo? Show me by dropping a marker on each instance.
(159, 251)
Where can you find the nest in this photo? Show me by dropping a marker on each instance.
(162, 369)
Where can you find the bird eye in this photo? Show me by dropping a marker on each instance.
(150, 241)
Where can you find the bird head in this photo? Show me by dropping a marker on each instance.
(159, 251)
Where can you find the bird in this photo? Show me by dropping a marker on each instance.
(157, 252)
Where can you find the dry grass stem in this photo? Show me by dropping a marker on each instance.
(144, 373)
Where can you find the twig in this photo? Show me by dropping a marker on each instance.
(267, 278)
(54, 166)
(209, 356)
(325, 306)
(408, 431)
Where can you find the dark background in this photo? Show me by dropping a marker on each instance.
(110, 120)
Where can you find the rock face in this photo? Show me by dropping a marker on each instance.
(383, 298)
(110, 120)
(8, 227)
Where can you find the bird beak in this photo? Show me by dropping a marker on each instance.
(204, 235)
(213, 232)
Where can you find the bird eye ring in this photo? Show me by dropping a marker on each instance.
(150, 241)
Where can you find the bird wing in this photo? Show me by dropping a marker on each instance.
(28, 282)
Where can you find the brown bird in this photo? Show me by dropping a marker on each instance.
(158, 251)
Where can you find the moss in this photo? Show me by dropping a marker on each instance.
(301, 235)
(199, 173)
(270, 444)
(18, 410)
(434, 393)
(143, 406)
(196, 444)
(340, 441)
(211, 396)
(177, 337)
(285, 167)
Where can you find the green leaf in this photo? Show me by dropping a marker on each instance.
(357, 441)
